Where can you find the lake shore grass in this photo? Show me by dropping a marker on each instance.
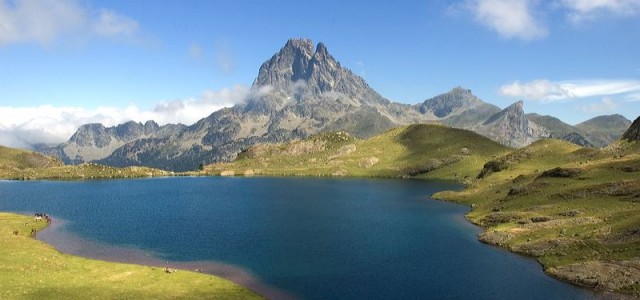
(31, 269)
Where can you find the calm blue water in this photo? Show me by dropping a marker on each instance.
(313, 238)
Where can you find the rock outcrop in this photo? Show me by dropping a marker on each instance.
(633, 133)
(511, 127)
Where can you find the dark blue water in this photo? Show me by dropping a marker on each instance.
(313, 238)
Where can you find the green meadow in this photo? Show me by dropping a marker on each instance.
(30, 269)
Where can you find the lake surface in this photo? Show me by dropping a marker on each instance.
(300, 237)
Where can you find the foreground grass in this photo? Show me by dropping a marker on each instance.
(30, 269)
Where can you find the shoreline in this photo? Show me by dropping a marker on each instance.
(245, 279)
(68, 243)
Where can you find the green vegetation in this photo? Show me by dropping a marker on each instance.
(574, 209)
(425, 151)
(27, 165)
(30, 269)
(12, 160)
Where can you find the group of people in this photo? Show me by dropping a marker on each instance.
(37, 217)
(40, 216)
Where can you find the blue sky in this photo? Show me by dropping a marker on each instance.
(64, 63)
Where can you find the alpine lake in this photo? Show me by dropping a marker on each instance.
(303, 238)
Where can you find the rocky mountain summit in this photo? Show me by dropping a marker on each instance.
(301, 90)
(511, 127)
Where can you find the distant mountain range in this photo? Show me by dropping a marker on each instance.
(302, 90)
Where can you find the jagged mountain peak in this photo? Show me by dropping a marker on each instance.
(299, 61)
(460, 91)
(516, 107)
(321, 50)
(514, 114)
(511, 127)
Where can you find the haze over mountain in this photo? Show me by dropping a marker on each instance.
(299, 91)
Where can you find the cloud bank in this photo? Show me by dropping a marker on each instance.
(547, 91)
(525, 19)
(21, 127)
(585, 10)
(45, 21)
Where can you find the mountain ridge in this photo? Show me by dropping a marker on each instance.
(301, 90)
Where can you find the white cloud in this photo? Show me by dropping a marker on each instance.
(606, 105)
(547, 91)
(510, 18)
(580, 10)
(24, 126)
(45, 21)
(524, 19)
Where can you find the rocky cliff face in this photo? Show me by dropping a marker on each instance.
(633, 133)
(93, 142)
(299, 91)
(511, 127)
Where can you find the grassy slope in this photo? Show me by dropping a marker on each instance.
(584, 228)
(16, 159)
(427, 151)
(30, 269)
(22, 164)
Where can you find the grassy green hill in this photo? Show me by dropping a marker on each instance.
(425, 151)
(575, 209)
(12, 160)
(30, 269)
(22, 164)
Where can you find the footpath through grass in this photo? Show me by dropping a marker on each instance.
(31, 269)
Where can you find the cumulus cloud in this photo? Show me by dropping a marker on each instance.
(547, 91)
(45, 21)
(24, 126)
(509, 18)
(580, 10)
